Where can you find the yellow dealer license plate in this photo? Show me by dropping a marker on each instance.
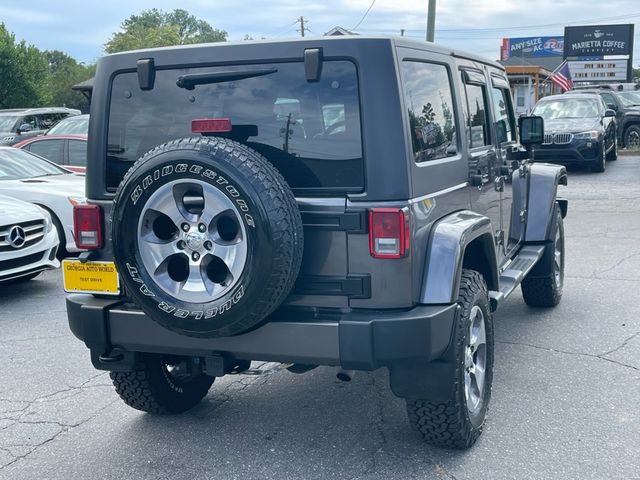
(90, 277)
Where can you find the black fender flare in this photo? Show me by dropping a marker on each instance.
(544, 179)
(449, 239)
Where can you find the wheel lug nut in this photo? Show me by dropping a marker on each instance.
(185, 227)
(208, 245)
(195, 256)
(181, 245)
(202, 228)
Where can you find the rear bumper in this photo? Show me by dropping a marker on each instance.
(360, 339)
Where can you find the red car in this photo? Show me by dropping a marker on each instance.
(68, 151)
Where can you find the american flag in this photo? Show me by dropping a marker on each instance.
(562, 77)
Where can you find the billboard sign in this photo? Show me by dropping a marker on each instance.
(599, 70)
(587, 41)
(527, 47)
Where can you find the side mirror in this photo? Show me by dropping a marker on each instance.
(25, 127)
(609, 112)
(531, 130)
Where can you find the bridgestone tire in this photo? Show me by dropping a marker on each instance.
(450, 424)
(152, 389)
(267, 214)
(541, 287)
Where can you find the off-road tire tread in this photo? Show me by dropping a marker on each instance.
(142, 390)
(444, 424)
(283, 209)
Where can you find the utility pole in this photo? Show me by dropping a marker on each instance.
(431, 21)
(402, 32)
(301, 20)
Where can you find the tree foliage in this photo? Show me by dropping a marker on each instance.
(65, 72)
(23, 73)
(157, 28)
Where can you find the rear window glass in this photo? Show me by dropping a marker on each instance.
(309, 130)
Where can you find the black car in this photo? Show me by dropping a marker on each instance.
(579, 129)
(20, 123)
(626, 104)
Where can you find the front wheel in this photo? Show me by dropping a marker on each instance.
(599, 165)
(613, 154)
(542, 287)
(632, 137)
(163, 385)
(458, 421)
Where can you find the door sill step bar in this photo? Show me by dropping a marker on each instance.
(515, 272)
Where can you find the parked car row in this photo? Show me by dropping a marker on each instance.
(20, 123)
(26, 245)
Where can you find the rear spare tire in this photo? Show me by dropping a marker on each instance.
(207, 236)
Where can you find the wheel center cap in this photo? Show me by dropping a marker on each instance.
(194, 240)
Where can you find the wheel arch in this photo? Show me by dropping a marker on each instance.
(461, 240)
(542, 197)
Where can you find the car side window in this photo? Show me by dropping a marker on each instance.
(31, 120)
(503, 111)
(475, 112)
(608, 99)
(77, 153)
(49, 149)
(429, 101)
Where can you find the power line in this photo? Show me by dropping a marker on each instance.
(365, 15)
(280, 30)
(472, 31)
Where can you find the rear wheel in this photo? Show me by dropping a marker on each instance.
(163, 384)
(458, 421)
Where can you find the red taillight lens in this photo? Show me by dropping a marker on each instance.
(211, 125)
(388, 232)
(87, 226)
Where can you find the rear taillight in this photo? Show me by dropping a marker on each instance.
(87, 226)
(388, 232)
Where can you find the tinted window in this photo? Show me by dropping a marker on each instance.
(49, 149)
(427, 90)
(77, 153)
(608, 98)
(475, 109)
(503, 111)
(16, 164)
(280, 115)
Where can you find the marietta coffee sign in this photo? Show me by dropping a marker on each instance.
(598, 40)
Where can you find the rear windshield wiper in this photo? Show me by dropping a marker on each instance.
(189, 81)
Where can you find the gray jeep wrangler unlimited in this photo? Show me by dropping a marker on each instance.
(350, 202)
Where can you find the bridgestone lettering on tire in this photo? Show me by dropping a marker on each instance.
(207, 236)
(458, 422)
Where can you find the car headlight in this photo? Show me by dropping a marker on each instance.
(590, 135)
(76, 200)
(48, 223)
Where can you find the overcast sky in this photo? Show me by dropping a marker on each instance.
(81, 28)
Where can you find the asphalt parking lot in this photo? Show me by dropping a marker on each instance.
(564, 404)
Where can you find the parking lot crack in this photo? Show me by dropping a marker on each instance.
(579, 354)
(617, 264)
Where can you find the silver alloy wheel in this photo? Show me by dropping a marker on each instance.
(192, 241)
(475, 361)
(557, 259)
(633, 139)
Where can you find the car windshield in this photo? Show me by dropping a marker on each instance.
(567, 108)
(71, 126)
(19, 164)
(7, 122)
(629, 99)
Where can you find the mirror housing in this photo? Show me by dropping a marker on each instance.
(531, 130)
(24, 128)
(609, 112)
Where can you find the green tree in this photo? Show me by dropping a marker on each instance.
(23, 73)
(65, 72)
(156, 28)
